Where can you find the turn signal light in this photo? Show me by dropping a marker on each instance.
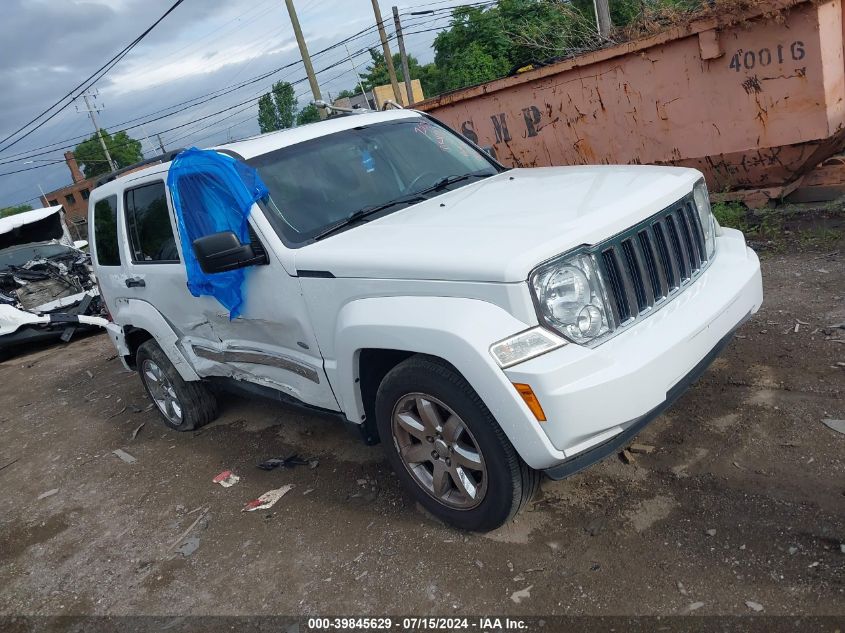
(531, 400)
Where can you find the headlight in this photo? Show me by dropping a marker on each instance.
(705, 214)
(571, 298)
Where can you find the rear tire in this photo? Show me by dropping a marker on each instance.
(447, 448)
(183, 405)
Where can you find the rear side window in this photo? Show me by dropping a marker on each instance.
(148, 225)
(105, 232)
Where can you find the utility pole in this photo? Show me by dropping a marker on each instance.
(43, 195)
(306, 58)
(147, 138)
(406, 72)
(388, 58)
(91, 111)
(160, 144)
(603, 17)
(357, 75)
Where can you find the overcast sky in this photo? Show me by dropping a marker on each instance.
(48, 46)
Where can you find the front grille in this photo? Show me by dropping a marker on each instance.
(651, 262)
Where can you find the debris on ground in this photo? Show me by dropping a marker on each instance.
(227, 479)
(522, 594)
(286, 462)
(136, 431)
(835, 425)
(267, 500)
(711, 532)
(626, 456)
(14, 461)
(681, 588)
(126, 457)
(190, 529)
(115, 414)
(754, 606)
(189, 546)
(645, 449)
(49, 493)
(694, 606)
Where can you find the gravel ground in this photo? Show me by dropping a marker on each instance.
(742, 499)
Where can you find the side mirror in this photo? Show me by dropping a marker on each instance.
(219, 252)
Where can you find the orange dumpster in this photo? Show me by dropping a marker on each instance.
(754, 99)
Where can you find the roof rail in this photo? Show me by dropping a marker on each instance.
(161, 158)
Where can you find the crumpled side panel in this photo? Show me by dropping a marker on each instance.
(212, 193)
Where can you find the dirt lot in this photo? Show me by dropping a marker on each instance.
(742, 500)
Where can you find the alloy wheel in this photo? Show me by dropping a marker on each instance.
(162, 392)
(439, 451)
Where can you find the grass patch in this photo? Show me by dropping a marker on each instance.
(733, 215)
(820, 237)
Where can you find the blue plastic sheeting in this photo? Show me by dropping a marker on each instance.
(212, 193)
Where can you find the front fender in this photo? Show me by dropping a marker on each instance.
(140, 314)
(459, 331)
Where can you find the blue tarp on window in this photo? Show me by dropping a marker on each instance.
(212, 193)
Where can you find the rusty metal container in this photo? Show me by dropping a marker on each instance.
(754, 99)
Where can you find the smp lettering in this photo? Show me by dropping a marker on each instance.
(531, 117)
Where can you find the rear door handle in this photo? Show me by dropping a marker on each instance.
(135, 282)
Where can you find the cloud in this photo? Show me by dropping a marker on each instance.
(48, 47)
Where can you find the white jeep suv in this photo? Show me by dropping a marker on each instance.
(486, 324)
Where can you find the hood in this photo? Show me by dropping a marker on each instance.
(31, 227)
(499, 229)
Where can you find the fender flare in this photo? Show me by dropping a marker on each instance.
(457, 330)
(140, 314)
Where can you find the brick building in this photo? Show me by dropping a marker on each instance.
(74, 198)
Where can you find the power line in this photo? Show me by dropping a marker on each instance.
(228, 90)
(86, 83)
(200, 100)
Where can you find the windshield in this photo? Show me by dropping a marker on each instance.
(20, 255)
(318, 183)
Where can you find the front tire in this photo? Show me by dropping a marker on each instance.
(447, 448)
(183, 405)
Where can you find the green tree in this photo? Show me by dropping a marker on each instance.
(308, 114)
(277, 108)
(268, 119)
(474, 66)
(124, 151)
(19, 208)
(285, 101)
(348, 94)
(376, 73)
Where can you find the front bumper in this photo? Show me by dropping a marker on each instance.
(597, 399)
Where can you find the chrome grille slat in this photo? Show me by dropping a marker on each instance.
(667, 255)
(649, 264)
(689, 240)
(655, 266)
(645, 273)
(678, 247)
(627, 283)
(695, 224)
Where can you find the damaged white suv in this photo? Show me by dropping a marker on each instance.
(486, 324)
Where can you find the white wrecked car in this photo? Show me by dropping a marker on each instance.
(486, 324)
(43, 271)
